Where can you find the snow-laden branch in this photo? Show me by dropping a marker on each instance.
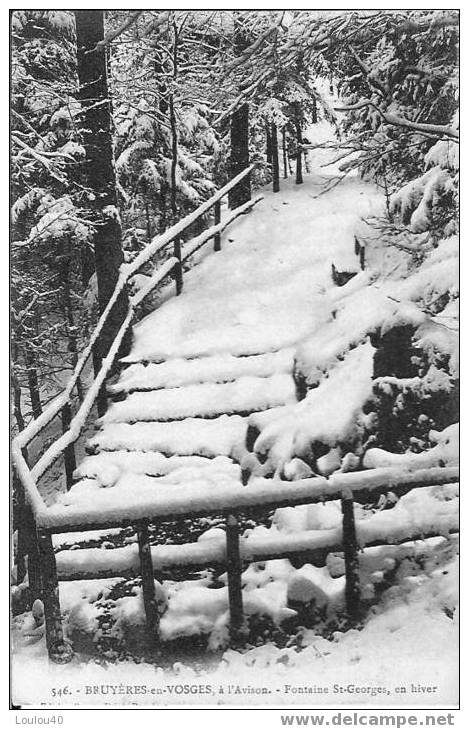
(242, 96)
(254, 46)
(439, 130)
(113, 34)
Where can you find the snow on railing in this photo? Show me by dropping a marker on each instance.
(260, 495)
(77, 423)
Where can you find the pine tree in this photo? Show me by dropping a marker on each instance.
(99, 173)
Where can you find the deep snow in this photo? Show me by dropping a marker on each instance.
(268, 296)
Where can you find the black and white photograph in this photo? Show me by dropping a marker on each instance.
(234, 360)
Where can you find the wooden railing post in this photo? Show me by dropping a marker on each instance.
(69, 452)
(217, 238)
(234, 568)
(178, 266)
(59, 651)
(148, 585)
(352, 575)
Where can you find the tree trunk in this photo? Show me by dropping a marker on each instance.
(314, 117)
(275, 162)
(299, 154)
(100, 175)
(174, 163)
(268, 147)
(18, 413)
(33, 384)
(148, 221)
(239, 158)
(284, 152)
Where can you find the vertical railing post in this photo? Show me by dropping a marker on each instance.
(352, 575)
(234, 568)
(178, 266)
(69, 452)
(217, 239)
(148, 584)
(59, 651)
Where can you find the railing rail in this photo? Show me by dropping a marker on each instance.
(266, 494)
(73, 426)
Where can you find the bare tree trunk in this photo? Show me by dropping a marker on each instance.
(314, 116)
(33, 383)
(268, 147)
(284, 152)
(239, 158)
(174, 163)
(100, 176)
(148, 221)
(299, 155)
(275, 162)
(17, 410)
(162, 216)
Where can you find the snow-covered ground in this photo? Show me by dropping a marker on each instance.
(227, 347)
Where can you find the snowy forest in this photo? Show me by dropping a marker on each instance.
(234, 353)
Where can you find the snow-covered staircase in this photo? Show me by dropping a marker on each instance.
(185, 420)
(175, 443)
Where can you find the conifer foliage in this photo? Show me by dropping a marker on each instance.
(132, 119)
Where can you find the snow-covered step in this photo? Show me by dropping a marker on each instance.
(246, 395)
(193, 436)
(107, 466)
(219, 368)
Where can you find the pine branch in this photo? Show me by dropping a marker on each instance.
(399, 121)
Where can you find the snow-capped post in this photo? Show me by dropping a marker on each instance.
(362, 258)
(234, 568)
(217, 237)
(352, 576)
(148, 584)
(275, 163)
(59, 651)
(69, 452)
(99, 174)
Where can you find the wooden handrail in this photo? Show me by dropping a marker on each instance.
(265, 494)
(126, 272)
(29, 477)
